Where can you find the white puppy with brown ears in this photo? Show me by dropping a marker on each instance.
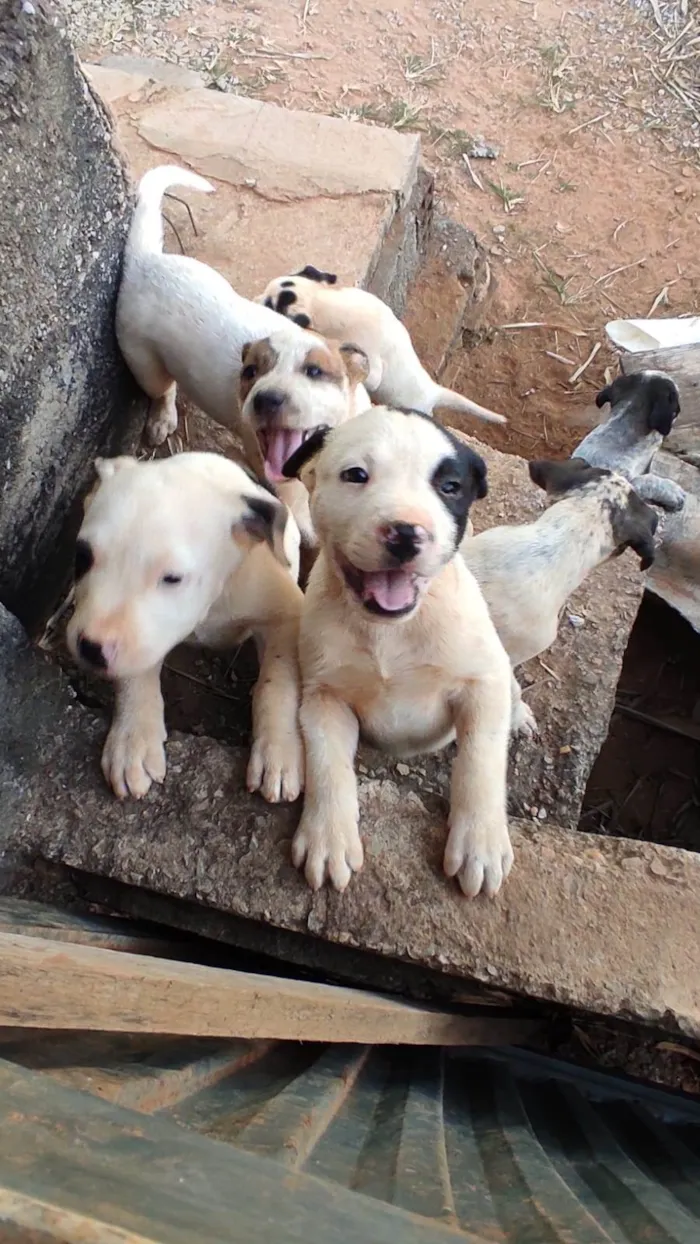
(187, 549)
(396, 640)
(313, 299)
(289, 388)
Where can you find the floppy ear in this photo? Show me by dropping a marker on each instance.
(478, 473)
(604, 396)
(315, 274)
(560, 477)
(244, 351)
(301, 465)
(663, 408)
(107, 467)
(266, 520)
(634, 527)
(356, 362)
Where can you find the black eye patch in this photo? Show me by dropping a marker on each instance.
(458, 480)
(302, 320)
(84, 559)
(284, 300)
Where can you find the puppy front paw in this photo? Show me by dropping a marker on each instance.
(326, 851)
(276, 768)
(479, 855)
(161, 422)
(523, 721)
(133, 758)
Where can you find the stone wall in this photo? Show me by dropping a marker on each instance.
(65, 394)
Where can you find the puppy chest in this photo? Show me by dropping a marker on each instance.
(403, 711)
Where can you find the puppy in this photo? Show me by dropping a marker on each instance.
(313, 299)
(178, 321)
(527, 573)
(289, 388)
(396, 640)
(643, 408)
(187, 549)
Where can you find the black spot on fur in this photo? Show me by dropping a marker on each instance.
(557, 478)
(84, 559)
(306, 451)
(302, 320)
(315, 274)
(284, 300)
(269, 303)
(656, 395)
(91, 653)
(288, 284)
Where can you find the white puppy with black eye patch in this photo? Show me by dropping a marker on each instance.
(396, 640)
(313, 299)
(187, 549)
(288, 388)
(528, 572)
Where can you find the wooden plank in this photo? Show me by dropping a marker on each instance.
(683, 364)
(72, 1165)
(111, 933)
(48, 984)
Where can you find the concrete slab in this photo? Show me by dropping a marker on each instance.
(292, 187)
(606, 925)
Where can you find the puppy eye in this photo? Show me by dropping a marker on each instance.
(450, 487)
(354, 475)
(171, 580)
(249, 372)
(83, 558)
(313, 371)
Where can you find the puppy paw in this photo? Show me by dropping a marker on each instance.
(161, 423)
(276, 769)
(327, 852)
(523, 721)
(480, 856)
(133, 758)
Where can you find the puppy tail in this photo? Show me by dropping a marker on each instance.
(146, 232)
(450, 400)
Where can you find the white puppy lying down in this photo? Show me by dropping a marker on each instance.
(178, 321)
(527, 573)
(288, 389)
(313, 299)
(187, 548)
(396, 640)
(643, 409)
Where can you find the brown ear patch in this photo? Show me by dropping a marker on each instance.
(257, 359)
(356, 362)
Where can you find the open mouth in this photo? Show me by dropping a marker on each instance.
(277, 446)
(388, 593)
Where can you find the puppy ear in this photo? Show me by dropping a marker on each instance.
(244, 351)
(604, 396)
(356, 362)
(315, 274)
(107, 467)
(266, 520)
(301, 464)
(664, 407)
(557, 478)
(634, 526)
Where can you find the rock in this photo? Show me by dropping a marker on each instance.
(65, 394)
(605, 925)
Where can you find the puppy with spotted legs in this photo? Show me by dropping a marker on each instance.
(178, 321)
(396, 641)
(527, 573)
(313, 299)
(188, 549)
(643, 409)
(288, 389)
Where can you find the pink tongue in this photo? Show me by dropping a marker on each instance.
(281, 444)
(392, 589)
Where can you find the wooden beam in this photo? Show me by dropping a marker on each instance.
(111, 933)
(682, 363)
(49, 984)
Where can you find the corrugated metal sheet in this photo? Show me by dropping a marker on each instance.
(348, 1143)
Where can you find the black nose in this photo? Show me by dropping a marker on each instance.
(268, 402)
(402, 540)
(92, 653)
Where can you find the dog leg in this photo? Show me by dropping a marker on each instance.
(133, 756)
(522, 718)
(162, 417)
(159, 385)
(658, 490)
(478, 850)
(327, 840)
(276, 765)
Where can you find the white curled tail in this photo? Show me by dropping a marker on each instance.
(146, 232)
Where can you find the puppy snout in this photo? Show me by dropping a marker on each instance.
(92, 653)
(268, 402)
(404, 540)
